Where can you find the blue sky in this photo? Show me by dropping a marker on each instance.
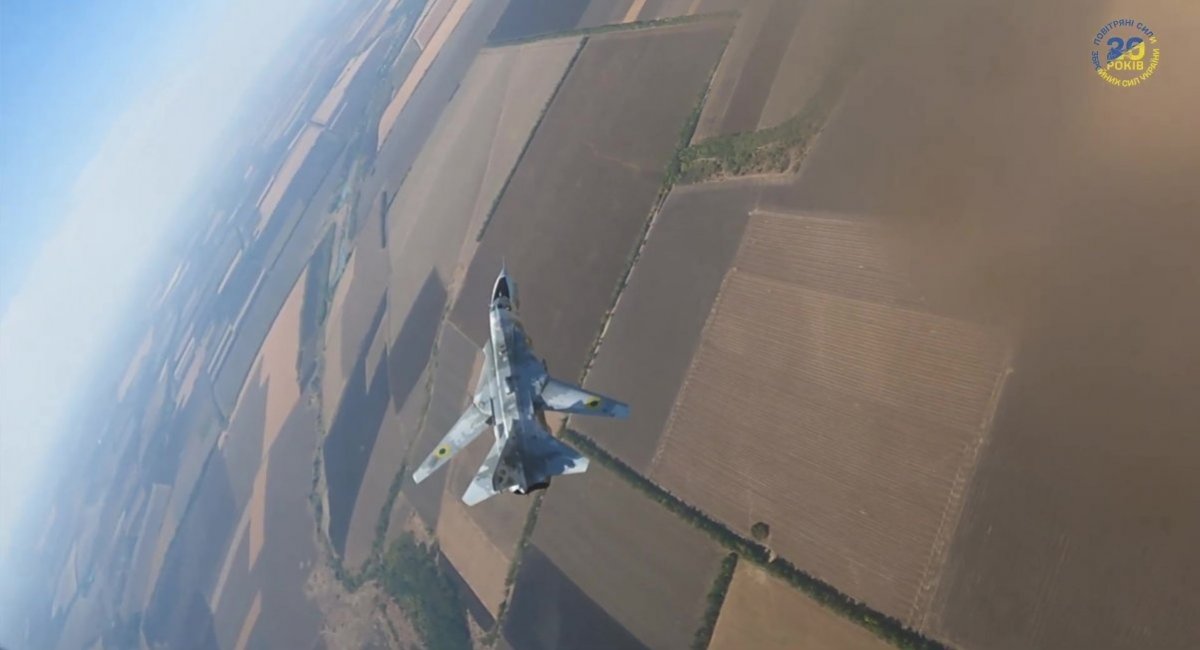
(109, 112)
(67, 68)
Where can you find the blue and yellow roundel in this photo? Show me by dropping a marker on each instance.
(1125, 52)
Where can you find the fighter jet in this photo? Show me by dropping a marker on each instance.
(513, 392)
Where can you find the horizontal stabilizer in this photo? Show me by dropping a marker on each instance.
(546, 456)
(481, 488)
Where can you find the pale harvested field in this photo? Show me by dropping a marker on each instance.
(656, 326)
(578, 202)
(269, 397)
(376, 352)
(135, 364)
(189, 379)
(364, 283)
(434, 14)
(657, 9)
(465, 163)
(848, 425)
(765, 613)
(634, 10)
(607, 12)
(278, 358)
(424, 61)
(249, 622)
(333, 99)
(283, 176)
(647, 568)
(604, 12)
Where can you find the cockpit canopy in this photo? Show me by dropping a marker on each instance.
(505, 292)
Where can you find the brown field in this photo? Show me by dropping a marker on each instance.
(336, 363)
(742, 43)
(1090, 455)
(466, 161)
(406, 421)
(848, 425)
(765, 613)
(297, 152)
(823, 31)
(424, 61)
(477, 559)
(780, 54)
(1079, 528)
(576, 206)
(397, 432)
(650, 570)
(656, 325)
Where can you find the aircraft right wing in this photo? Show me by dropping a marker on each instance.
(468, 427)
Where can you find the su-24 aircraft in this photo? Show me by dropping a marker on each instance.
(514, 390)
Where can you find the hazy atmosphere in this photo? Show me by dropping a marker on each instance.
(841, 324)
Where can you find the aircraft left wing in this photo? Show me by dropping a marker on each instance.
(468, 427)
(558, 395)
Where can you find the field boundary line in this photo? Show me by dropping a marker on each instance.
(956, 502)
(487, 220)
(612, 27)
(670, 177)
(669, 425)
(715, 602)
(882, 625)
(510, 581)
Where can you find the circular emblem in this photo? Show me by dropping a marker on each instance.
(442, 451)
(1125, 52)
(592, 402)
